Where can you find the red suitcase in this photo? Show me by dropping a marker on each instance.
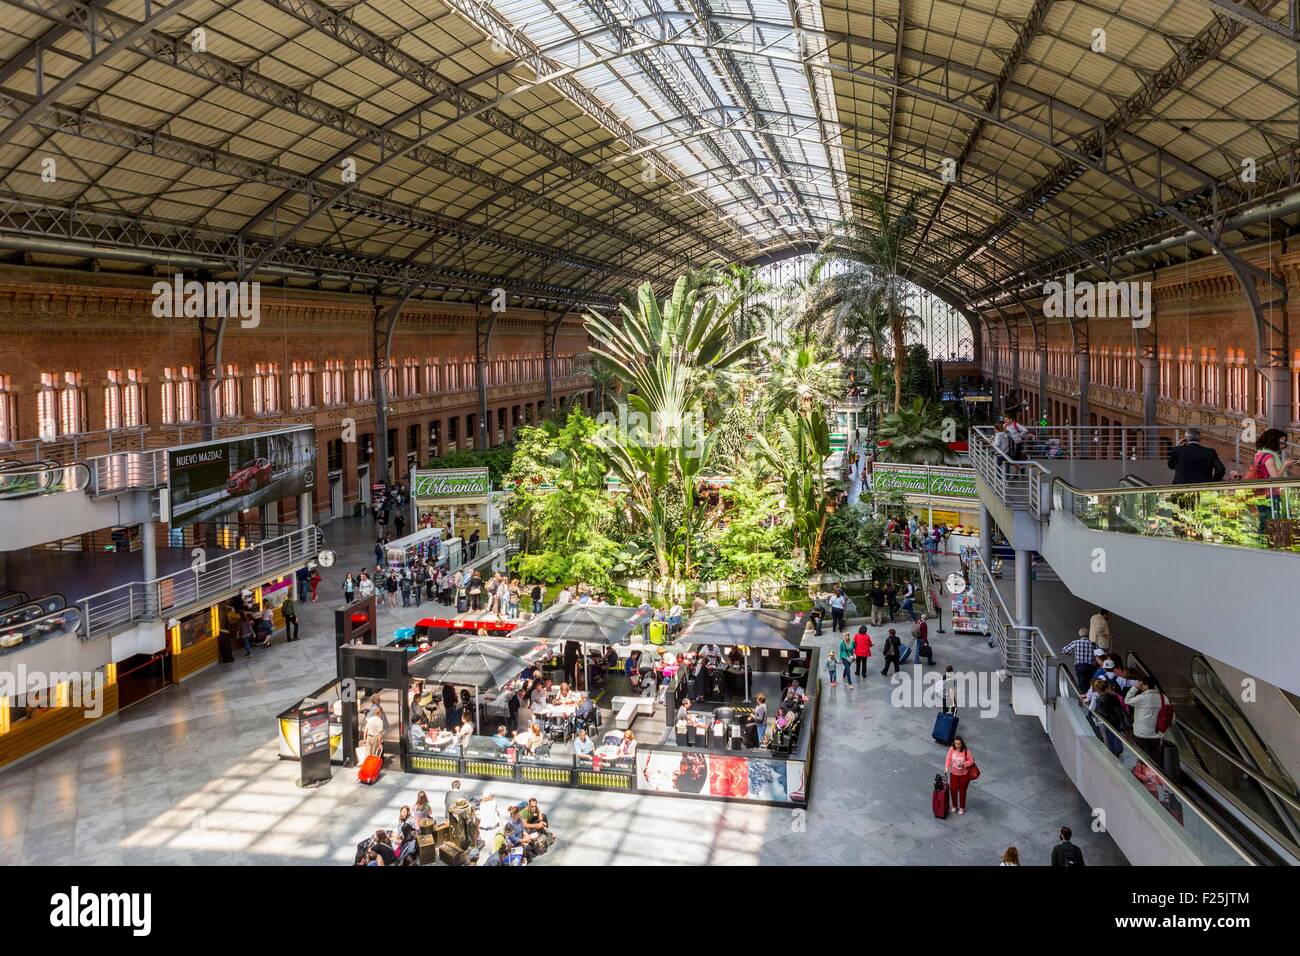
(368, 772)
(939, 799)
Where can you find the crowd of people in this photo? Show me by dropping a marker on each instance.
(493, 833)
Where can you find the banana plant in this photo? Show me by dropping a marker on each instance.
(795, 451)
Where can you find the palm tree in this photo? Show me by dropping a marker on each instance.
(867, 255)
(802, 380)
(666, 354)
(914, 434)
(741, 284)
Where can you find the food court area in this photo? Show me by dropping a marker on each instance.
(578, 696)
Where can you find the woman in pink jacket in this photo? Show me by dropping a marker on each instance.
(959, 765)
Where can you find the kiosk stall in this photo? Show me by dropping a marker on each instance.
(453, 498)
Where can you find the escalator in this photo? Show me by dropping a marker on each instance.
(1228, 772)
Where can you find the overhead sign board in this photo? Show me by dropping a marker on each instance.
(448, 483)
(920, 480)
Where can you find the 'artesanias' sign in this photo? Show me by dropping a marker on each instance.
(934, 481)
(451, 483)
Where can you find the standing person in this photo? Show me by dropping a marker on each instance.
(877, 598)
(379, 550)
(349, 588)
(399, 523)
(1066, 853)
(314, 581)
(1084, 653)
(893, 650)
(760, 716)
(959, 765)
(1193, 463)
(365, 586)
(862, 650)
(1269, 463)
(832, 667)
(837, 610)
(246, 633)
(404, 583)
(1011, 857)
(1099, 629)
(1145, 702)
(908, 603)
(475, 589)
(391, 587)
(419, 574)
(949, 690)
(473, 547)
(535, 595)
(921, 634)
(891, 601)
(302, 578)
(290, 611)
(513, 590)
(846, 659)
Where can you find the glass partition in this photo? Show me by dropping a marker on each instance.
(1240, 514)
(1212, 846)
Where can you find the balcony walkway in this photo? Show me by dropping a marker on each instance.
(191, 776)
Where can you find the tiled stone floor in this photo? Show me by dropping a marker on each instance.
(191, 776)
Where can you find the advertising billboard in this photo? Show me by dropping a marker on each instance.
(213, 478)
(735, 777)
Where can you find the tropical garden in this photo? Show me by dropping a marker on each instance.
(706, 458)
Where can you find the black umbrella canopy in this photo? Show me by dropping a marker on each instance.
(585, 623)
(753, 627)
(477, 662)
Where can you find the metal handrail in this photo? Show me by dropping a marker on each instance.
(150, 600)
(1015, 483)
(1025, 650)
(128, 471)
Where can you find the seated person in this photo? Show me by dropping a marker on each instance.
(684, 715)
(713, 651)
(734, 656)
(565, 695)
(583, 745)
(420, 736)
(794, 698)
(529, 740)
(627, 746)
(585, 711)
(516, 833)
(537, 697)
(611, 657)
(502, 738)
(464, 732)
(535, 822)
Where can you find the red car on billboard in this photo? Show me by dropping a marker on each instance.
(252, 476)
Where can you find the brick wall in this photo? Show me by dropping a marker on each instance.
(54, 321)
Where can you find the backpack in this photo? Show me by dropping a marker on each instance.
(1165, 716)
(1257, 469)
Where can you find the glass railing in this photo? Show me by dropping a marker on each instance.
(1239, 514)
(21, 480)
(1211, 845)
